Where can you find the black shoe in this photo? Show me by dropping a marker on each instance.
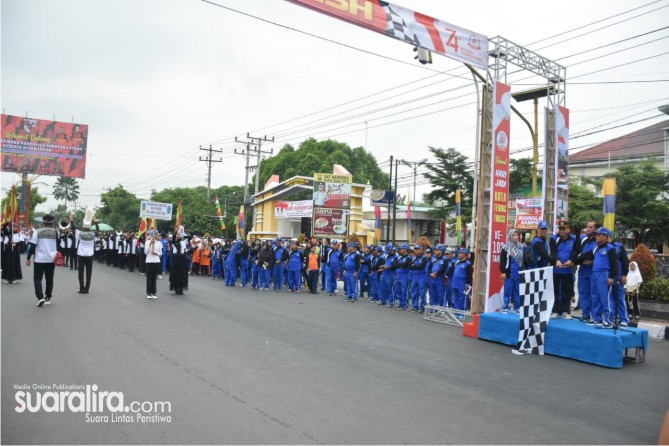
(81, 291)
(47, 301)
(40, 302)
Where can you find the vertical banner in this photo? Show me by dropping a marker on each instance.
(609, 193)
(377, 224)
(499, 197)
(409, 238)
(562, 165)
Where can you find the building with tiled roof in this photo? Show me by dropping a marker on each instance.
(597, 161)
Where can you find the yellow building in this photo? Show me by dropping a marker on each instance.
(268, 225)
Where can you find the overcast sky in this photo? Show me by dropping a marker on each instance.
(157, 79)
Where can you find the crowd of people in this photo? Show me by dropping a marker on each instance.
(403, 277)
(603, 270)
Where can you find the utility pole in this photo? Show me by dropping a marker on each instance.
(247, 154)
(397, 163)
(209, 160)
(253, 147)
(390, 188)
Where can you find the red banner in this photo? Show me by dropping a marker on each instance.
(330, 223)
(42, 147)
(408, 26)
(499, 197)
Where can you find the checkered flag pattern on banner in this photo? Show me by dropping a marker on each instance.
(536, 295)
(396, 26)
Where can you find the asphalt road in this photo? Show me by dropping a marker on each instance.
(248, 367)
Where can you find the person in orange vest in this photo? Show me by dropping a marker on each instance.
(205, 259)
(195, 265)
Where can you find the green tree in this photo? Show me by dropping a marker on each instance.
(66, 189)
(520, 174)
(642, 201)
(452, 171)
(584, 205)
(199, 214)
(120, 209)
(318, 156)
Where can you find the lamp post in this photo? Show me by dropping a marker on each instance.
(414, 165)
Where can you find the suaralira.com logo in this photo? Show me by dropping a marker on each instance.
(98, 406)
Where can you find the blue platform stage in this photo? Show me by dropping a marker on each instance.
(569, 338)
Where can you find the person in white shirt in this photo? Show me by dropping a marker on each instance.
(154, 250)
(43, 245)
(85, 244)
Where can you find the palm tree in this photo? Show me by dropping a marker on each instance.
(66, 189)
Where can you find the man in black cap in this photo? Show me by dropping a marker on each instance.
(43, 245)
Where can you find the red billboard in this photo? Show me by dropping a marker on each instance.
(330, 222)
(37, 146)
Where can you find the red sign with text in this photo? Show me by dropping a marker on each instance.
(37, 146)
(499, 197)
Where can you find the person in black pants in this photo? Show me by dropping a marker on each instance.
(84, 245)
(153, 250)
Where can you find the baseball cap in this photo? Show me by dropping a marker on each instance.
(418, 247)
(379, 248)
(604, 231)
(404, 246)
(48, 218)
(352, 245)
(463, 251)
(334, 242)
(439, 247)
(563, 225)
(542, 225)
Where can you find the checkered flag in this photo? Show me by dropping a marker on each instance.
(536, 294)
(396, 26)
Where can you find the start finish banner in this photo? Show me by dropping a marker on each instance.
(499, 197)
(36, 146)
(409, 26)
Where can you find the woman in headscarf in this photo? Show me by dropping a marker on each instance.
(634, 281)
(510, 265)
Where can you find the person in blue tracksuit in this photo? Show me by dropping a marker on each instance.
(253, 257)
(374, 276)
(564, 249)
(462, 279)
(280, 257)
(511, 263)
(587, 243)
(364, 278)
(418, 285)
(231, 264)
(244, 263)
(540, 247)
(617, 302)
(387, 276)
(265, 263)
(401, 267)
(352, 266)
(216, 263)
(605, 270)
(436, 272)
(295, 262)
(451, 259)
(333, 264)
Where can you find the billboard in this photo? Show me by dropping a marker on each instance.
(332, 190)
(529, 212)
(330, 222)
(152, 209)
(382, 197)
(293, 209)
(37, 146)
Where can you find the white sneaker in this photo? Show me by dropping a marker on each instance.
(40, 302)
(566, 316)
(554, 315)
(148, 296)
(153, 296)
(5, 281)
(518, 352)
(160, 277)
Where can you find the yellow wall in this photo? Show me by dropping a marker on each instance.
(266, 226)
